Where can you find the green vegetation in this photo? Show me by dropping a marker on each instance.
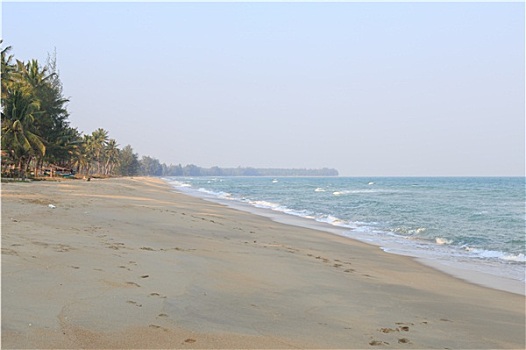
(37, 139)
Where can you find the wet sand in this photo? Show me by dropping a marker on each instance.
(128, 263)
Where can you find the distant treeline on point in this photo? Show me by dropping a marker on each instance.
(152, 167)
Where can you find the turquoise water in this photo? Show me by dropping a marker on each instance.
(479, 221)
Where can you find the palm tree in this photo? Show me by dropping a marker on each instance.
(19, 135)
(112, 156)
(7, 69)
(52, 121)
(33, 73)
(86, 154)
(99, 142)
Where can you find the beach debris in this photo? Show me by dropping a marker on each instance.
(52, 206)
(190, 340)
(145, 276)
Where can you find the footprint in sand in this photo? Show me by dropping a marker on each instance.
(402, 326)
(8, 251)
(388, 330)
(404, 341)
(378, 343)
(158, 295)
(134, 303)
(154, 326)
(62, 248)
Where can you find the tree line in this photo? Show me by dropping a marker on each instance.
(38, 140)
(158, 169)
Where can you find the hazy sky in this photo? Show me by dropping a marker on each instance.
(367, 88)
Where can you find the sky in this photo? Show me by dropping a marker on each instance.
(371, 89)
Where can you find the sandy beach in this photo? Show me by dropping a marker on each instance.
(129, 263)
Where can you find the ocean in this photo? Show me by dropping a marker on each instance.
(475, 223)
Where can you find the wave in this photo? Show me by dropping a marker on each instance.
(333, 220)
(494, 254)
(218, 194)
(175, 183)
(267, 205)
(346, 192)
(443, 241)
(405, 231)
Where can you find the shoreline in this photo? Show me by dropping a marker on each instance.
(464, 272)
(131, 263)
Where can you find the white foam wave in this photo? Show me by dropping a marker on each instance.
(280, 208)
(319, 189)
(492, 254)
(333, 220)
(220, 194)
(179, 184)
(346, 192)
(409, 231)
(266, 205)
(443, 241)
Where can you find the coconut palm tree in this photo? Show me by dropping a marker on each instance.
(111, 155)
(99, 141)
(85, 159)
(7, 69)
(19, 135)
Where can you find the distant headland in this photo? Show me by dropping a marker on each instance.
(193, 170)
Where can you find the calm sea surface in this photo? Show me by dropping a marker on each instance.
(477, 222)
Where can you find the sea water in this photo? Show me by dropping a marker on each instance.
(475, 223)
